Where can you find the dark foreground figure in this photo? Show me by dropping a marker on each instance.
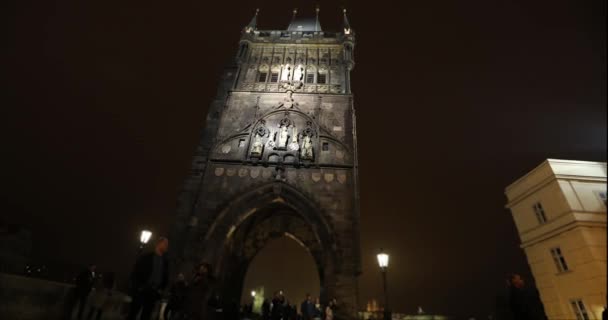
(148, 280)
(84, 284)
(524, 300)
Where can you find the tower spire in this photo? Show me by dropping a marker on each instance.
(317, 23)
(293, 18)
(347, 28)
(253, 24)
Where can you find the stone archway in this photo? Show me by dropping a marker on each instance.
(248, 221)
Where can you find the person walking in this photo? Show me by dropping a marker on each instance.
(318, 311)
(148, 280)
(102, 295)
(197, 299)
(177, 295)
(307, 308)
(84, 284)
(330, 309)
(266, 310)
(276, 311)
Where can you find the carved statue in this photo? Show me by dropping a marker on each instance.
(298, 73)
(293, 146)
(307, 152)
(283, 135)
(258, 146)
(286, 73)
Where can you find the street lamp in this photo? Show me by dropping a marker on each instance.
(253, 293)
(144, 237)
(383, 263)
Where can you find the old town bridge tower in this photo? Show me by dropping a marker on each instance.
(278, 157)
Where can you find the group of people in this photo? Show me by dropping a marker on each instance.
(279, 308)
(102, 287)
(188, 299)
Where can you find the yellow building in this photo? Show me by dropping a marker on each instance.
(559, 209)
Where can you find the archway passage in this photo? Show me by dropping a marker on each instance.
(283, 264)
(259, 229)
(232, 236)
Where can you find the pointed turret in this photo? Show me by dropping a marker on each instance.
(253, 24)
(293, 19)
(317, 23)
(347, 28)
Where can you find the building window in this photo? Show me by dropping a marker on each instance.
(325, 146)
(262, 77)
(579, 309)
(310, 78)
(558, 258)
(322, 78)
(274, 77)
(540, 213)
(241, 143)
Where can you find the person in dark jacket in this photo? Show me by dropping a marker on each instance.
(198, 302)
(84, 284)
(266, 310)
(307, 308)
(276, 312)
(149, 278)
(524, 301)
(177, 295)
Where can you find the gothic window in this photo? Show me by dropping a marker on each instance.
(310, 78)
(262, 76)
(321, 78)
(241, 143)
(274, 77)
(325, 146)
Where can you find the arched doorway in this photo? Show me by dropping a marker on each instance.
(282, 264)
(232, 235)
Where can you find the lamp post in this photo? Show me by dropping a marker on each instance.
(383, 263)
(144, 237)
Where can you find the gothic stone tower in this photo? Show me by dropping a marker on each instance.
(278, 157)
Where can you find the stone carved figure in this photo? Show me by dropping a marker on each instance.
(298, 74)
(307, 152)
(293, 146)
(286, 73)
(283, 136)
(258, 145)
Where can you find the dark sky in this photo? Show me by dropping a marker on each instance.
(104, 101)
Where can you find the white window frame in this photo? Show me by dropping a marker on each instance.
(539, 211)
(578, 307)
(559, 260)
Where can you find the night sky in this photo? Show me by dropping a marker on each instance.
(104, 101)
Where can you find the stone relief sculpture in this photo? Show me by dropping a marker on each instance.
(298, 74)
(294, 146)
(286, 73)
(258, 145)
(306, 150)
(283, 135)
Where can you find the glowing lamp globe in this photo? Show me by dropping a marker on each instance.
(382, 260)
(145, 236)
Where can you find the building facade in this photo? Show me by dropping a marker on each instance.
(559, 209)
(278, 157)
